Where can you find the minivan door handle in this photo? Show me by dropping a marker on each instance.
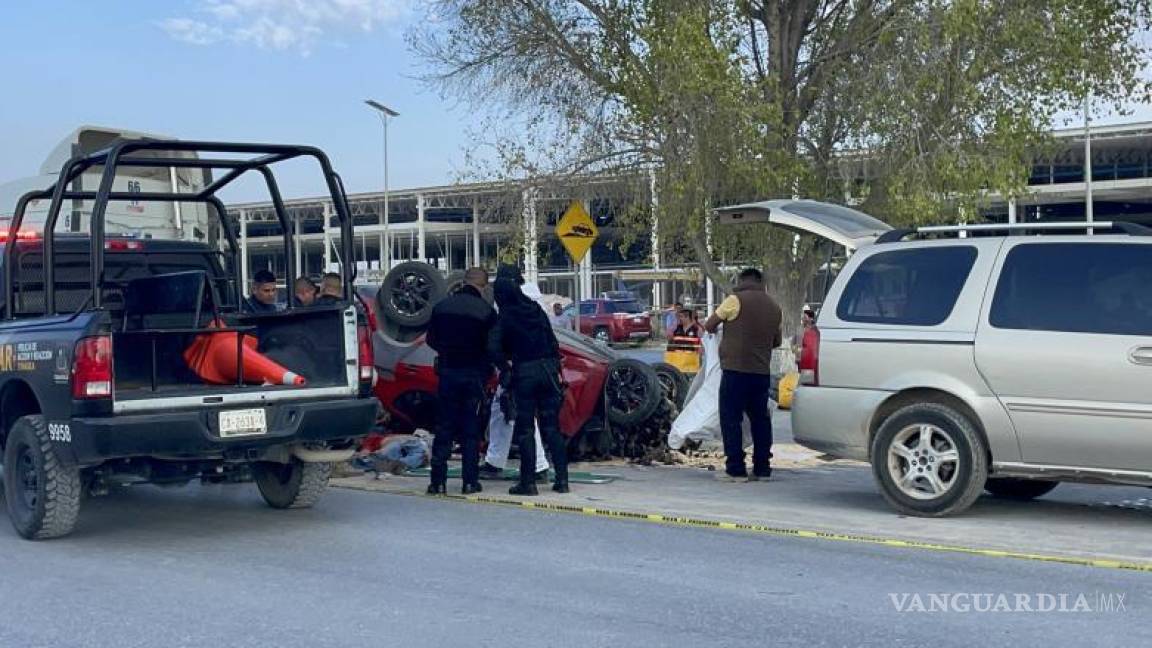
(1141, 355)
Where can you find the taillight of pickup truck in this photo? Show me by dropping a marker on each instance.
(364, 340)
(92, 368)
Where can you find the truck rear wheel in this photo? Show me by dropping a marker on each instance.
(295, 484)
(42, 494)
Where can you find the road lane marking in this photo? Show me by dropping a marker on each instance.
(764, 529)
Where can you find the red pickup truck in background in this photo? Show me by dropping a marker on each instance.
(613, 320)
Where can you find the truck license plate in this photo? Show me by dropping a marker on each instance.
(243, 423)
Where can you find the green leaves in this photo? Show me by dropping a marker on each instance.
(912, 108)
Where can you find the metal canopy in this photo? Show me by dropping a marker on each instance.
(124, 153)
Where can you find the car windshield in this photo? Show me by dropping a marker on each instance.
(622, 307)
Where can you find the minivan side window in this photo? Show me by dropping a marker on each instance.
(912, 287)
(1103, 288)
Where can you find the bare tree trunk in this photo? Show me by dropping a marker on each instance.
(707, 265)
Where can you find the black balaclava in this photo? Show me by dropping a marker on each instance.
(509, 298)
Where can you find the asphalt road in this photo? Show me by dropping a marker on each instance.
(211, 566)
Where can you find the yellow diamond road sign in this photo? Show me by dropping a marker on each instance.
(577, 231)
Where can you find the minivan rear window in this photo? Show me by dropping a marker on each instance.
(1103, 288)
(913, 287)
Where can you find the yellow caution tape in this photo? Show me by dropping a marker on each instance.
(677, 520)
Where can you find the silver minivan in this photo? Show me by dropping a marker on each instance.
(958, 360)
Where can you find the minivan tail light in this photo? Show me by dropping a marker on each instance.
(364, 343)
(92, 368)
(809, 364)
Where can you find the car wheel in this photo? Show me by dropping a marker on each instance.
(673, 382)
(296, 484)
(601, 334)
(929, 460)
(398, 333)
(409, 292)
(42, 494)
(453, 282)
(632, 391)
(1018, 489)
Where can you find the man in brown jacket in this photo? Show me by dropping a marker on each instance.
(751, 322)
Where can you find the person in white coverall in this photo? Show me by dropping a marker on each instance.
(500, 431)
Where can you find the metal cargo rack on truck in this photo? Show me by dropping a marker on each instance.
(97, 379)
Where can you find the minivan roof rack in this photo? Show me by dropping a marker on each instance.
(1131, 229)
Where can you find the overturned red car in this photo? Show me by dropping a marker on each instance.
(607, 397)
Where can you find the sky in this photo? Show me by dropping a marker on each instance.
(285, 71)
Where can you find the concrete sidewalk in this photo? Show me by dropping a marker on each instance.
(1074, 521)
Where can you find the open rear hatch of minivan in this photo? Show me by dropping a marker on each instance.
(841, 225)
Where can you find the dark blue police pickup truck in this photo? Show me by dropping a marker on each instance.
(99, 385)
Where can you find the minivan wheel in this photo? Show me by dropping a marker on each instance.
(1018, 489)
(929, 460)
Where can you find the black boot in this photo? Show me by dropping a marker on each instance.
(522, 488)
(470, 489)
(437, 489)
(488, 471)
(560, 486)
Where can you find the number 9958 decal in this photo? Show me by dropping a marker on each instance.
(60, 432)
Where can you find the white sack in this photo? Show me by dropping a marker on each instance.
(700, 418)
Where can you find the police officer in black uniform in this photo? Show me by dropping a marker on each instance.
(459, 332)
(528, 357)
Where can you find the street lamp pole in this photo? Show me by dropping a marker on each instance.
(384, 113)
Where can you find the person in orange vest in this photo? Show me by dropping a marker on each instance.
(687, 326)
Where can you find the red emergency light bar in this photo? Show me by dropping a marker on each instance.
(112, 245)
(22, 235)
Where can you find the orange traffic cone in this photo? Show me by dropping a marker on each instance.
(213, 357)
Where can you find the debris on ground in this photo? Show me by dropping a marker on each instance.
(393, 454)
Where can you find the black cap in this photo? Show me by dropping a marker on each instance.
(263, 277)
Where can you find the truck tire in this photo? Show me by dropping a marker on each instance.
(602, 334)
(1018, 489)
(674, 382)
(296, 484)
(929, 460)
(632, 392)
(409, 292)
(42, 494)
